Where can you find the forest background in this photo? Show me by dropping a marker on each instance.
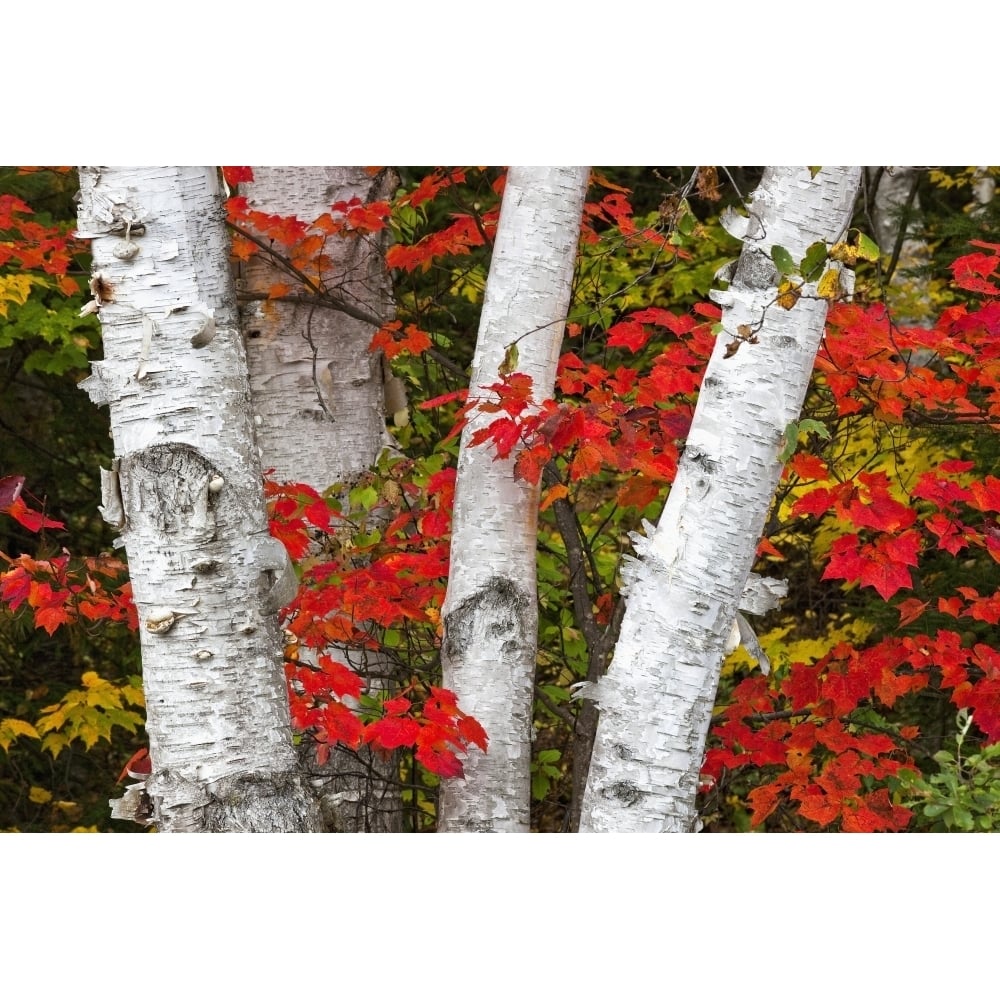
(897, 870)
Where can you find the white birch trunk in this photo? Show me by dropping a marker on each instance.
(321, 396)
(187, 495)
(490, 612)
(317, 388)
(893, 211)
(684, 589)
(984, 187)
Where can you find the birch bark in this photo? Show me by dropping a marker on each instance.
(320, 393)
(490, 612)
(187, 495)
(895, 207)
(318, 390)
(685, 587)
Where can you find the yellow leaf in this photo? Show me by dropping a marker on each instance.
(829, 284)
(788, 295)
(16, 288)
(108, 698)
(54, 719)
(54, 744)
(39, 795)
(844, 253)
(18, 727)
(509, 363)
(132, 693)
(89, 734)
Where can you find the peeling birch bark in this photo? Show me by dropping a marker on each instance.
(187, 496)
(490, 612)
(684, 589)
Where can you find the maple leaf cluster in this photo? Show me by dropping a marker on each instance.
(64, 589)
(624, 420)
(34, 246)
(355, 585)
(902, 377)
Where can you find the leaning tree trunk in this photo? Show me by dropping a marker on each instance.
(686, 586)
(490, 612)
(186, 493)
(320, 394)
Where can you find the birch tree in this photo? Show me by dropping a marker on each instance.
(895, 207)
(686, 586)
(321, 396)
(490, 611)
(317, 388)
(186, 493)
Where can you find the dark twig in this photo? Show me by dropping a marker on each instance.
(555, 709)
(901, 232)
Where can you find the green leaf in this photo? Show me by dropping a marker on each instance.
(364, 497)
(962, 818)
(933, 809)
(509, 363)
(556, 693)
(814, 260)
(867, 248)
(687, 220)
(814, 427)
(791, 442)
(539, 786)
(813, 171)
(783, 260)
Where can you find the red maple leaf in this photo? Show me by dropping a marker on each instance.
(630, 334)
(33, 520)
(392, 732)
(881, 564)
(440, 761)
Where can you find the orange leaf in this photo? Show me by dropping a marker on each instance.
(553, 494)
(910, 610)
(638, 491)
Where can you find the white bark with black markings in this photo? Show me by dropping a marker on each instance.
(187, 496)
(490, 613)
(318, 390)
(684, 588)
(321, 395)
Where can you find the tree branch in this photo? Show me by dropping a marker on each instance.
(334, 301)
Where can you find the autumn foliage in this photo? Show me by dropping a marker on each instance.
(888, 522)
